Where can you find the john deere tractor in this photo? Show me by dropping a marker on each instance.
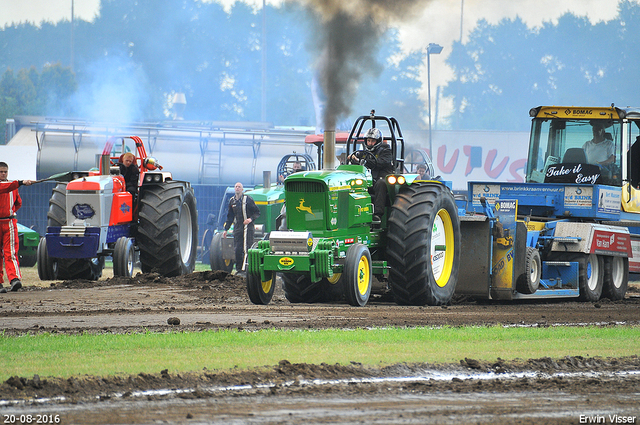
(332, 250)
(269, 199)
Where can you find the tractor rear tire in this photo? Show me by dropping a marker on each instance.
(616, 278)
(299, 289)
(332, 288)
(124, 257)
(68, 268)
(423, 224)
(215, 255)
(168, 228)
(28, 260)
(528, 282)
(47, 266)
(261, 292)
(57, 214)
(357, 275)
(79, 268)
(205, 248)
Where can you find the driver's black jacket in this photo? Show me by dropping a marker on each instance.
(383, 164)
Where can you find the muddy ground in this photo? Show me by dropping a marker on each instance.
(569, 390)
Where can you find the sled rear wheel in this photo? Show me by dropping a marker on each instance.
(616, 278)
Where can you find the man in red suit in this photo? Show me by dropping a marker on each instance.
(10, 202)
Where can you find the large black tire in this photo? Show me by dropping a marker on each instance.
(332, 287)
(205, 247)
(299, 289)
(261, 292)
(616, 278)
(79, 268)
(47, 267)
(528, 282)
(28, 260)
(69, 268)
(168, 229)
(590, 273)
(57, 214)
(357, 275)
(215, 255)
(124, 257)
(414, 278)
(591, 276)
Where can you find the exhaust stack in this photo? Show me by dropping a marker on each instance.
(105, 165)
(266, 179)
(329, 151)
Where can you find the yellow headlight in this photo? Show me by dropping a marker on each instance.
(391, 179)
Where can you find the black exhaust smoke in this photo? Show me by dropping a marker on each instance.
(346, 44)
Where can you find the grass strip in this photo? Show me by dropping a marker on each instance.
(124, 354)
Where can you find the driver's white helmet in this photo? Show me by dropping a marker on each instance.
(373, 133)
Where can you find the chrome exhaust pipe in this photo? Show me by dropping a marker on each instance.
(329, 151)
(266, 179)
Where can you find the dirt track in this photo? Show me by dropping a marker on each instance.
(528, 391)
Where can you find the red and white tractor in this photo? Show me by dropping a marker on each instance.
(92, 216)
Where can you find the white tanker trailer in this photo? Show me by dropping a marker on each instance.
(211, 154)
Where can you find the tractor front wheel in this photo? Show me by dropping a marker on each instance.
(216, 258)
(123, 257)
(423, 245)
(168, 228)
(357, 275)
(261, 291)
(47, 266)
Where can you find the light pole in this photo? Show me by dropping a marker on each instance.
(263, 107)
(432, 49)
(72, 41)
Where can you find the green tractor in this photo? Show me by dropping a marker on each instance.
(331, 249)
(269, 200)
(29, 240)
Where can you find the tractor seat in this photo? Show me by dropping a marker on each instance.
(575, 155)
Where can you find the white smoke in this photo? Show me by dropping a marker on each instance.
(113, 89)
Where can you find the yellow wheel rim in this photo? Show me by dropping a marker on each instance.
(442, 237)
(227, 262)
(363, 275)
(266, 285)
(335, 278)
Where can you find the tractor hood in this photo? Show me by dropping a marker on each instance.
(328, 200)
(343, 177)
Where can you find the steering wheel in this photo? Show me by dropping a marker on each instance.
(364, 156)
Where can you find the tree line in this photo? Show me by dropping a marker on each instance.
(506, 69)
(212, 55)
(215, 57)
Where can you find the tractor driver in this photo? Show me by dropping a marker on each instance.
(130, 172)
(599, 150)
(377, 157)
